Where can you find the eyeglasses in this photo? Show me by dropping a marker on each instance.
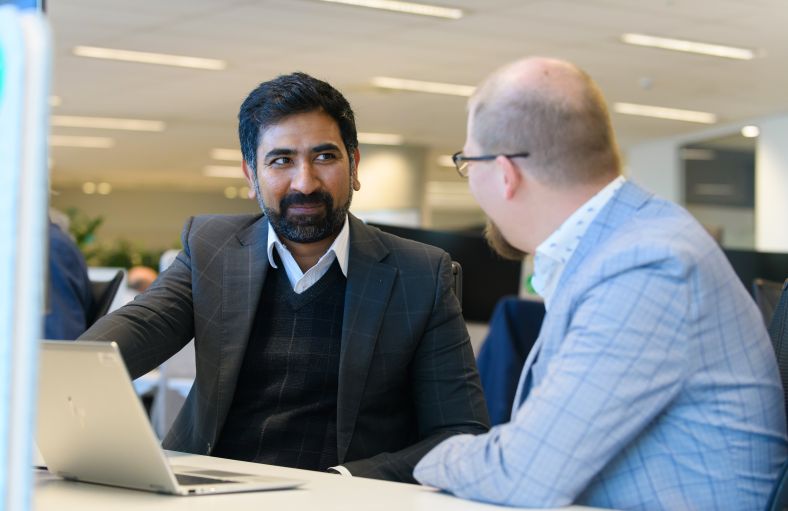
(461, 161)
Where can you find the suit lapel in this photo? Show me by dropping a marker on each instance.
(369, 285)
(620, 208)
(244, 268)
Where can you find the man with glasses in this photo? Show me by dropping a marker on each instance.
(321, 343)
(653, 384)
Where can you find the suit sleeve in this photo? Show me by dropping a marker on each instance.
(158, 323)
(447, 393)
(623, 360)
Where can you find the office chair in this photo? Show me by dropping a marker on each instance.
(514, 328)
(766, 294)
(778, 331)
(103, 293)
(456, 271)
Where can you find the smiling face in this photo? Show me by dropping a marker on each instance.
(306, 177)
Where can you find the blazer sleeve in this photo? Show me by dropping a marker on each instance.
(623, 360)
(158, 323)
(447, 394)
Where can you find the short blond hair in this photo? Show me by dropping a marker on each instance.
(558, 115)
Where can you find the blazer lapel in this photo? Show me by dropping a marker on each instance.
(369, 285)
(244, 268)
(620, 208)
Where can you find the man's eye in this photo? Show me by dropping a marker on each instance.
(278, 162)
(326, 157)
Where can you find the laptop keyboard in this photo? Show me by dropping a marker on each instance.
(189, 480)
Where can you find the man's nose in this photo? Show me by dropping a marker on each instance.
(305, 179)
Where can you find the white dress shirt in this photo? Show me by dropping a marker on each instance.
(301, 281)
(554, 252)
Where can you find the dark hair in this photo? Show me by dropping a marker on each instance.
(286, 95)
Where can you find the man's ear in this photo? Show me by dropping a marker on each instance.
(354, 170)
(248, 175)
(512, 177)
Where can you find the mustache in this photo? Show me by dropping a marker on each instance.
(298, 198)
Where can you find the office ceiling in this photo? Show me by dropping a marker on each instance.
(347, 46)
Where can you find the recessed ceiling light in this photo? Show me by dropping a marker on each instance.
(223, 171)
(434, 11)
(660, 112)
(226, 154)
(665, 43)
(387, 82)
(107, 123)
(86, 142)
(750, 131)
(231, 192)
(104, 188)
(380, 138)
(89, 188)
(150, 58)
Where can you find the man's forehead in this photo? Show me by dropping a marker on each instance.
(303, 128)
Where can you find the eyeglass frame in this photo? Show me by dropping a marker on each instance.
(461, 161)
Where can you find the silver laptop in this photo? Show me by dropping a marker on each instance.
(92, 428)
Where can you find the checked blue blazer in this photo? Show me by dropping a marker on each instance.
(653, 384)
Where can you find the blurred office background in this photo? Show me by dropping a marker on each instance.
(145, 95)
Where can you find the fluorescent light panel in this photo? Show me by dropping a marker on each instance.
(750, 131)
(226, 154)
(150, 58)
(666, 43)
(107, 123)
(226, 171)
(380, 138)
(86, 142)
(434, 11)
(659, 112)
(387, 82)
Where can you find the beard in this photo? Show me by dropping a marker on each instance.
(498, 243)
(308, 228)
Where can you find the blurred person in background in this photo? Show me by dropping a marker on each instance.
(69, 298)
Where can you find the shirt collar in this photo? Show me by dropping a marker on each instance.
(340, 248)
(553, 253)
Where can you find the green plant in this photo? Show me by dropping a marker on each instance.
(83, 228)
(124, 254)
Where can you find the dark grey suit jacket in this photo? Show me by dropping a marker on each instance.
(407, 375)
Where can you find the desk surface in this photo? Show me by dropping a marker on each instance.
(322, 492)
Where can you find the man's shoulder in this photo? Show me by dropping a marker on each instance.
(400, 247)
(220, 226)
(659, 235)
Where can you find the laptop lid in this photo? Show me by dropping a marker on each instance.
(92, 427)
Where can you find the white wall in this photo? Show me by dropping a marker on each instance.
(771, 186)
(656, 166)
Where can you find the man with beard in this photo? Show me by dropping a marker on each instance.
(653, 383)
(321, 343)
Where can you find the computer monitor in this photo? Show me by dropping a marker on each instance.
(486, 277)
